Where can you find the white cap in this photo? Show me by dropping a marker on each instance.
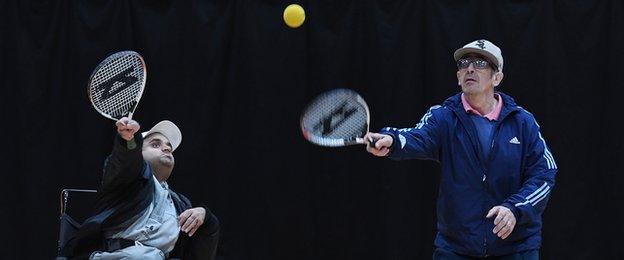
(169, 130)
(485, 48)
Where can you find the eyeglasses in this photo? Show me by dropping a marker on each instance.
(478, 63)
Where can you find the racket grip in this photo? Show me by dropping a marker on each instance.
(372, 142)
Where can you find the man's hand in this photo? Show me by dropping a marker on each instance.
(504, 222)
(191, 219)
(127, 128)
(382, 146)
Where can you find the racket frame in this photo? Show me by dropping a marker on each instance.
(142, 83)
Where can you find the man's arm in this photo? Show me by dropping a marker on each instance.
(203, 237)
(125, 163)
(539, 171)
(419, 142)
(201, 229)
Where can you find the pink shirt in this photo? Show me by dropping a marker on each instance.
(493, 115)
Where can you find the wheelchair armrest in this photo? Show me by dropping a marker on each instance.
(67, 224)
(65, 197)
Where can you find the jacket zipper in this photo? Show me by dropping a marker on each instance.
(485, 252)
(482, 163)
(485, 249)
(489, 159)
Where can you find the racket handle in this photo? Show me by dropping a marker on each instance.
(372, 141)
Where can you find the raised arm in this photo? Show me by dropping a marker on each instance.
(125, 163)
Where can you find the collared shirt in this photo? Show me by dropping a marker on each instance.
(493, 115)
(157, 226)
(484, 123)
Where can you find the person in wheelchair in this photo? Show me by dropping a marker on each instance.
(137, 215)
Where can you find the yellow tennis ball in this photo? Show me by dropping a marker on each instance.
(294, 15)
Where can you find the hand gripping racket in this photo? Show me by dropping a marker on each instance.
(339, 117)
(117, 83)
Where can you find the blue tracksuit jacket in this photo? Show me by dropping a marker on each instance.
(518, 173)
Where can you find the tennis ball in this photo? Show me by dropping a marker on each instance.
(294, 15)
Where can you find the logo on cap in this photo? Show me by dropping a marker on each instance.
(481, 44)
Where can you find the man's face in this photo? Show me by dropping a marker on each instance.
(474, 79)
(157, 151)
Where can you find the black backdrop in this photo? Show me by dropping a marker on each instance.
(234, 78)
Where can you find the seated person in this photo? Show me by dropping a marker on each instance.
(137, 215)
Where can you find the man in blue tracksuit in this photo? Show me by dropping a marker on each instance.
(497, 171)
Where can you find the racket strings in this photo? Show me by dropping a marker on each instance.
(334, 118)
(115, 86)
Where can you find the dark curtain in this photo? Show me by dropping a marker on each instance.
(234, 78)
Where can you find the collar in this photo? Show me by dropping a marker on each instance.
(493, 115)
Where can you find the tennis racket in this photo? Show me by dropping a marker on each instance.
(336, 118)
(117, 83)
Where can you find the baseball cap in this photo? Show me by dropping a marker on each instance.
(483, 47)
(169, 130)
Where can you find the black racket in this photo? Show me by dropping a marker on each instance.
(339, 117)
(117, 83)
